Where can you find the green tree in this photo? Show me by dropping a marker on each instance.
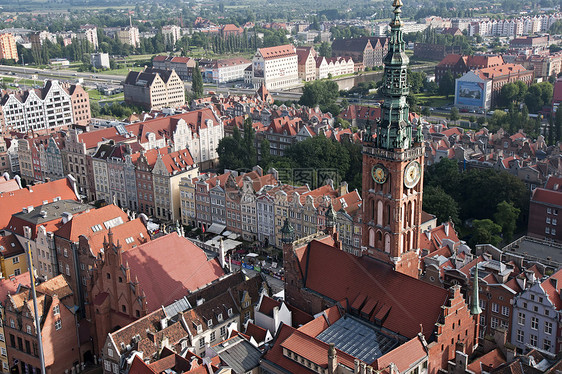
(447, 84)
(454, 115)
(436, 201)
(506, 216)
(485, 231)
(325, 49)
(229, 154)
(94, 108)
(197, 82)
(509, 94)
(323, 93)
(265, 154)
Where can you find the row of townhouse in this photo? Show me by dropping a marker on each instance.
(530, 160)
(53, 106)
(520, 297)
(254, 205)
(512, 27)
(188, 326)
(313, 67)
(185, 142)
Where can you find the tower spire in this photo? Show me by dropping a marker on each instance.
(394, 130)
(475, 303)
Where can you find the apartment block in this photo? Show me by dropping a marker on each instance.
(274, 67)
(154, 89)
(8, 49)
(55, 105)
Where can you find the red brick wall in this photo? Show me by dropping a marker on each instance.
(57, 360)
(457, 325)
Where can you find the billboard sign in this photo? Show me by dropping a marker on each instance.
(259, 67)
(470, 94)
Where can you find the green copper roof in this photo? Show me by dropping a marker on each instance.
(394, 129)
(475, 302)
(287, 231)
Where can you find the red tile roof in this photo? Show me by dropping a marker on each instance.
(547, 196)
(15, 201)
(10, 246)
(315, 350)
(275, 354)
(8, 185)
(258, 333)
(552, 291)
(490, 360)
(403, 355)
(81, 224)
(277, 52)
(267, 305)
(130, 235)
(415, 305)
(169, 267)
(554, 183)
(11, 285)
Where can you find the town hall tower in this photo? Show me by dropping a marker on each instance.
(393, 167)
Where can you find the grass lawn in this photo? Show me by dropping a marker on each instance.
(121, 71)
(95, 95)
(432, 100)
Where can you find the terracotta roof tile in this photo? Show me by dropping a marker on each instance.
(169, 267)
(415, 302)
(15, 201)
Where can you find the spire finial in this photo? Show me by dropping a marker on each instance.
(475, 304)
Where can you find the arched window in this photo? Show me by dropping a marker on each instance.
(371, 237)
(379, 213)
(387, 243)
(388, 210)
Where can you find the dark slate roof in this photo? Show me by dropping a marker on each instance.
(239, 354)
(351, 45)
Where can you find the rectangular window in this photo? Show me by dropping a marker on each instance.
(202, 342)
(533, 340)
(213, 336)
(107, 365)
(495, 308)
(223, 331)
(16, 260)
(505, 311)
(534, 323)
(521, 318)
(548, 327)
(58, 324)
(494, 322)
(56, 310)
(546, 345)
(520, 336)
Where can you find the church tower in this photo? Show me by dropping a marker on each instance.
(393, 167)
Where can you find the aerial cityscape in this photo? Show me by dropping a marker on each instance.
(246, 186)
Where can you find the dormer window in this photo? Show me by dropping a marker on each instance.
(219, 317)
(229, 312)
(210, 323)
(199, 328)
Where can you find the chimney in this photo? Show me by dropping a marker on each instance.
(66, 216)
(343, 189)
(446, 228)
(332, 359)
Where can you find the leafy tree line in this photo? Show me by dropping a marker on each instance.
(322, 93)
(493, 202)
(430, 35)
(319, 153)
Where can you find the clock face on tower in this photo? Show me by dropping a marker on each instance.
(412, 174)
(379, 173)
